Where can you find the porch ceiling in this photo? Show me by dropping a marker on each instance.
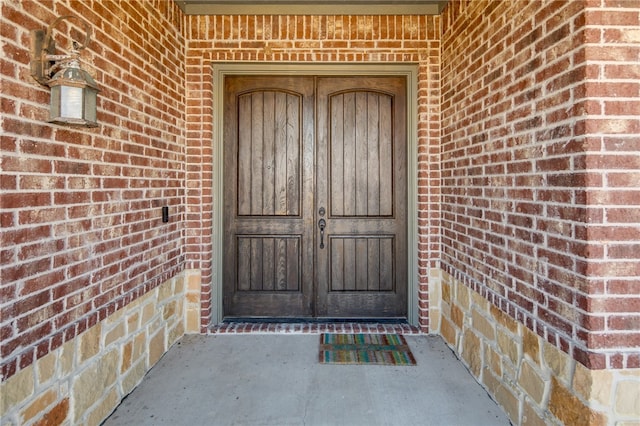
(312, 7)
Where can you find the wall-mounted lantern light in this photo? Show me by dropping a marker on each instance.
(73, 90)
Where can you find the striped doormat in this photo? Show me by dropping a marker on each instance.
(376, 349)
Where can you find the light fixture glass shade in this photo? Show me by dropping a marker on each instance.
(73, 97)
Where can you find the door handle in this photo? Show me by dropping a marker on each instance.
(322, 224)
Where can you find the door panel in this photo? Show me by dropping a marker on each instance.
(268, 158)
(269, 161)
(361, 182)
(361, 264)
(361, 154)
(300, 150)
(269, 263)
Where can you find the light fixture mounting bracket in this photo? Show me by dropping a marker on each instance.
(44, 61)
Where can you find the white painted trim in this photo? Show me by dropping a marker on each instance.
(410, 71)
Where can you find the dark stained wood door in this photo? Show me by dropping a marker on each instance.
(361, 184)
(268, 196)
(298, 151)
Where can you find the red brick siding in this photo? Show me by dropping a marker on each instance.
(305, 39)
(612, 162)
(534, 140)
(80, 210)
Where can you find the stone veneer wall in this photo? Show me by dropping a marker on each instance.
(84, 380)
(535, 382)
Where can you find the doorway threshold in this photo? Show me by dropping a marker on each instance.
(305, 326)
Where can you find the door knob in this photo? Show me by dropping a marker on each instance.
(322, 224)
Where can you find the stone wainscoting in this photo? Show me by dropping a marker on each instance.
(536, 383)
(86, 378)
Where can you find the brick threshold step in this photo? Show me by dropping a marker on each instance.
(341, 327)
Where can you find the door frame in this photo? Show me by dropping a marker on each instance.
(407, 70)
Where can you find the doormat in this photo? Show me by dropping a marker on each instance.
(372, 349)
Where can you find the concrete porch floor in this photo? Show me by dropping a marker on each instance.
(276, 379)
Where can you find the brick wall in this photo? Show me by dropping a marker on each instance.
(540, 168)
(306, 39)
(612, 179)
(81, 208)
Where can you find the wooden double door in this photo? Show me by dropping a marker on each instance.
(315, 197)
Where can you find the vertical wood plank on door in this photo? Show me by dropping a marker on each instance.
(373, 155)
(255, 260)
(293, 264)
(281, 264)
(337, 264)
(293, 155)
(336, 163)
(244, 155)
(349, 277)
(361, 266)
(268, 264)
(281, 178)
(349, 147)
(373, 257)
(361, 148)
(243, 266)
(386, 157)
(257, 142)
(387, 264)
(268, 167)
